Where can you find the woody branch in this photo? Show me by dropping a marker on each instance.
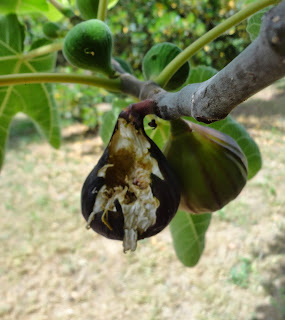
(259, 65)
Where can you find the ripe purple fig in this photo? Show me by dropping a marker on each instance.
(131, 193)
(210, 166)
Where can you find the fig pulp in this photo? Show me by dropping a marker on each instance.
(132, 192)
(210, 166)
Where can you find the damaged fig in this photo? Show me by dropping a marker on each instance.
(131, 193)
(209, 165)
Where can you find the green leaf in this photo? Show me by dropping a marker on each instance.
(160, 133)
(188, 234)
(201, 73)
(122, 103)
(35, 100)
(254, 23)
(23, 6)
(52, 13)
(12, 35)
(108, 123)
(109, 119)
(112, 3)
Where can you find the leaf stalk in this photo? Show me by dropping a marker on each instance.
(27, 78)
(102, 10)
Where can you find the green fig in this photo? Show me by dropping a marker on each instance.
(88, 45)
(51, 30)
(88, 8)
(131, 193)
(210, 166)
(158, 57)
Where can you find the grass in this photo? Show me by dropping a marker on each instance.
(51, 267)
(240, 272)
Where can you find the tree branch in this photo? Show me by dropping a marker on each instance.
(208, 37)
(259, 65)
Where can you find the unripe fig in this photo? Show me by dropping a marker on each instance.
(158, 57)
(51, 30)
(210, 166)
(88, 8)
(88, 45)
(132, 192)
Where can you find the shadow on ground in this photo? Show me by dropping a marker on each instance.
(274, 283)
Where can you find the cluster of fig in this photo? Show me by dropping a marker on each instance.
(135, 190)
(88, 45)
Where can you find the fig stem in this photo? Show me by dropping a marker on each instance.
(25, 78)
(144, 107)
(62, 9)
(102, 10)
(135, 112)
(43, 50)
(208, 37)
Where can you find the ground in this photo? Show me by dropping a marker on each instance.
(51, 267)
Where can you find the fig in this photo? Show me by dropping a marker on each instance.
(131, 193)
(209, 165)
(51, 30)
(88, 45)
(158, 57)
(88, 8)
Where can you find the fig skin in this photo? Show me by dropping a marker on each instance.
(88, 45)
(51, 30)
(167, 191)
(210, 166)
(88, 198)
